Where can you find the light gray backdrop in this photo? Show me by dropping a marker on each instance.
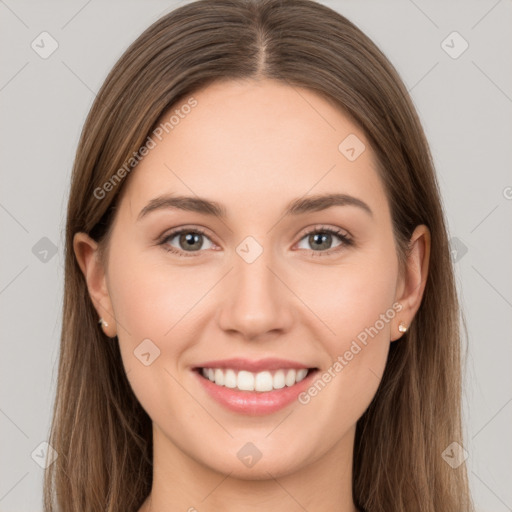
(464, 98)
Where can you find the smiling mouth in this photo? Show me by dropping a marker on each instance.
(263, 381)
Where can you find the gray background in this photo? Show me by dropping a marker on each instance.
(465, 104)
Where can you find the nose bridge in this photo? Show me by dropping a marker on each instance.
(256, 300)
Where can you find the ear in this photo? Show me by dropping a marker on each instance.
(413, 281)
(87, 255)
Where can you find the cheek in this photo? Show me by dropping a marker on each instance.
(154, 299)
(352, 297)
(356, 302)
(148, 304)
(358, 310)
(154, 309)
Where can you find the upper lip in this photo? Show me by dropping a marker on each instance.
(238, 363)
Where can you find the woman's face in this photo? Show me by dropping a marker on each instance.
(255, 285)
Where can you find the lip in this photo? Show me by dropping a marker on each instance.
(238, 363)
(254, 403)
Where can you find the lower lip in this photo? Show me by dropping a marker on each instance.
(255, 403)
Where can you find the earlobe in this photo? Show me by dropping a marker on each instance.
(87, 255)
(414, 280)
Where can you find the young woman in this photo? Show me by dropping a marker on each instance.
(260, 311)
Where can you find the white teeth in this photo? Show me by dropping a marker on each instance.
(289, 380)
(230, 380)
(279, 379)
(263, 381)
(219, 377)
(244, 381)
(248, 381)
(301, 374)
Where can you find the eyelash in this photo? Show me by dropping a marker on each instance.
(345, 240)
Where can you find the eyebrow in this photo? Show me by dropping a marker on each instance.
(298, 206)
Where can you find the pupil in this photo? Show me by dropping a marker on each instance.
(321, 239)
(191, 239)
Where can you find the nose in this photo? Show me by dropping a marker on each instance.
(257, 303)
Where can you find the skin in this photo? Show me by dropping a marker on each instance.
(254, 146)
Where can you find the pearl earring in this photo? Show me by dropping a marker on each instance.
(103, 322)
(402, 327)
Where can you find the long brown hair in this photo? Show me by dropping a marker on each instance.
(99, 429)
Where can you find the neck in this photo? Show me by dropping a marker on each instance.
(181, 483)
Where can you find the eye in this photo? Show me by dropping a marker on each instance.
(188, 240)
(321, 240)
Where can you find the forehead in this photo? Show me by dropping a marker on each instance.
(248, 143)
